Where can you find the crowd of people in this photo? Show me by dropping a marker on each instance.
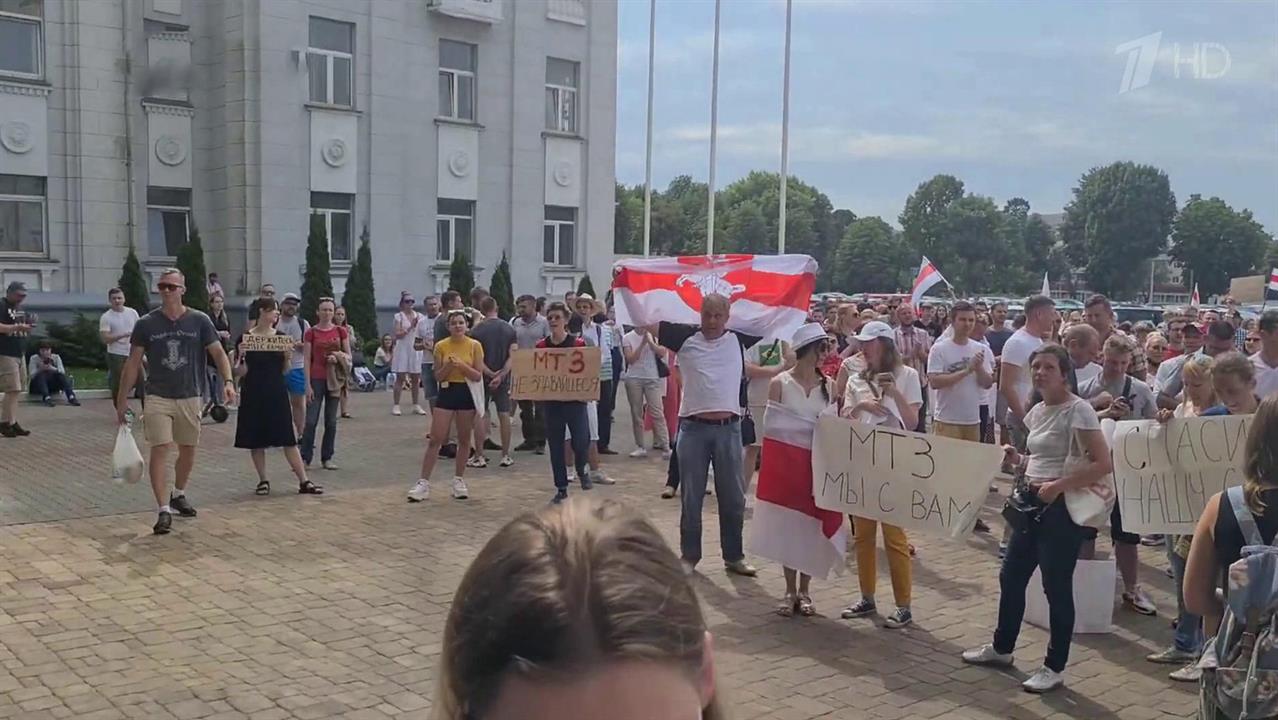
(699, 395)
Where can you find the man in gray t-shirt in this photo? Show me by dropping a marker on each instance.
(497, 338)
(176, 341)
(291, 324)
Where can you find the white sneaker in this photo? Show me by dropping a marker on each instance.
(1044, 680)
(599, 478)
(987, 655)
(477, 461)
(420, 492)
(396, 411)
(1140, 602)
(459, 489)
(417, 410)
(666, 454)
(639, 453)
(506, 461)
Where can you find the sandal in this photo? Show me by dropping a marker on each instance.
(347, 415)
(263, 488)
(805, 606)
(309, 488)
(788, 605)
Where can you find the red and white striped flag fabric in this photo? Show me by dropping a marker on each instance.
(1273, 279)
(788, 527)
(927, 277)
(1193, 299)
(769, 293)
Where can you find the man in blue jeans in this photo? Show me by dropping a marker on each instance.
(712, 366)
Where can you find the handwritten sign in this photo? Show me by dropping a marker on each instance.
(556, 374)
(919, 482)
(1164, 474)
(267, 343)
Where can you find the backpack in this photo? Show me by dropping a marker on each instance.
(1240, 665)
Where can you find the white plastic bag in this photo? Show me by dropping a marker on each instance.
(477, 395)
(1094, 590)
(126, 461)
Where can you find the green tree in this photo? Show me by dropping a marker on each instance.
(868, 258)
(190, 260)
(317, 281)
(628, 221)
(461, 275)
(1120, 215)
(502, 289)
(585, 286)
(360, 298)
(978, 255)
(810, 227)
(746, 231)
(839, 221)
(137, 290)
(1271, 256)
(1218, 243)
(923, 216)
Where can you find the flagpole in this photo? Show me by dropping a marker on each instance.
(714, 130)
(647, 163)
(785, 131)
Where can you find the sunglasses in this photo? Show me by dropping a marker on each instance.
(168, 287)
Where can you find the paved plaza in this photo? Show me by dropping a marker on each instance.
(333, 607)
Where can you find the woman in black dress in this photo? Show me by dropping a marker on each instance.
(265, 417)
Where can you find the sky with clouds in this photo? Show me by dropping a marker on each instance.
(1013, 98)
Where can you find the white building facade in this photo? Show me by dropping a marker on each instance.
(436, 126)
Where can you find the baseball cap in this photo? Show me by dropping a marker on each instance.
(874, 330)
(584, 296)
(292, 297)
(1195, 328)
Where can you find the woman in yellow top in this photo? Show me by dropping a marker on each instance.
(458, 360)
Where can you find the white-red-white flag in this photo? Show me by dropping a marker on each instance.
(769, 294)
(1193, 299)
(928, 276)
(1272, 290)
(787, 526)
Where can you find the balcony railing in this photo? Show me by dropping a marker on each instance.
(570, 11)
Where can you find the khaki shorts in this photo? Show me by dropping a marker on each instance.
(971, 433)
(167, 421)
(10, 374)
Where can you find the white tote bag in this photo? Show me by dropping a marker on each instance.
(126, 460)
(1094, 587)
(477, 395)
(1089, 506)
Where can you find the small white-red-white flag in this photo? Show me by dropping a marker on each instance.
(769, 294)
(1193, 299)
(927, 277)
(1047, 286)
(1273, 283)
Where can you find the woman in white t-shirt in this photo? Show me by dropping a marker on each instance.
(1066, 451)
(880, 389)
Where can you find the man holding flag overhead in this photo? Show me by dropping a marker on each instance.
(708, 310)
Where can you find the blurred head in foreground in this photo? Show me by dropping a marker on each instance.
(578, 610)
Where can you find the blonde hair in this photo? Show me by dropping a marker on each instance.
(561, 591)
(1119, 345)
(1260, 469)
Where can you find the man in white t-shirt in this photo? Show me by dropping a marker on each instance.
(1014, 379)
(960, 369)
(1083, 343)
(116, 327)
(1266, 361)
(712, 366)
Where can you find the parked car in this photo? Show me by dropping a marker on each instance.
(1137, 313)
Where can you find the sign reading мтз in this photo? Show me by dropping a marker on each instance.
(565, 374)
(267, 343)
(914, 481)
(1165, 474)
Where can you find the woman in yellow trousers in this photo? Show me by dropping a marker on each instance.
(881, 390)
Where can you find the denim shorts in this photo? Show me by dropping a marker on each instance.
(430, 386)
(296, 381)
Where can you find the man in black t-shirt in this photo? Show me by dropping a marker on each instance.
(13, 328)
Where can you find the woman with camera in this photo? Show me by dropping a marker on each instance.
(880, 389)
(1066, 452)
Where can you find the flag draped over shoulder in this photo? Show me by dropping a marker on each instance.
(769, 293)
(787, 526)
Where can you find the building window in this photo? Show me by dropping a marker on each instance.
(22, 215)
(559, 236)
(454, 229)
(457, 79)
(21, 31)
(168, 220)
(561, 95)
(330, 61)
(336, 209)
